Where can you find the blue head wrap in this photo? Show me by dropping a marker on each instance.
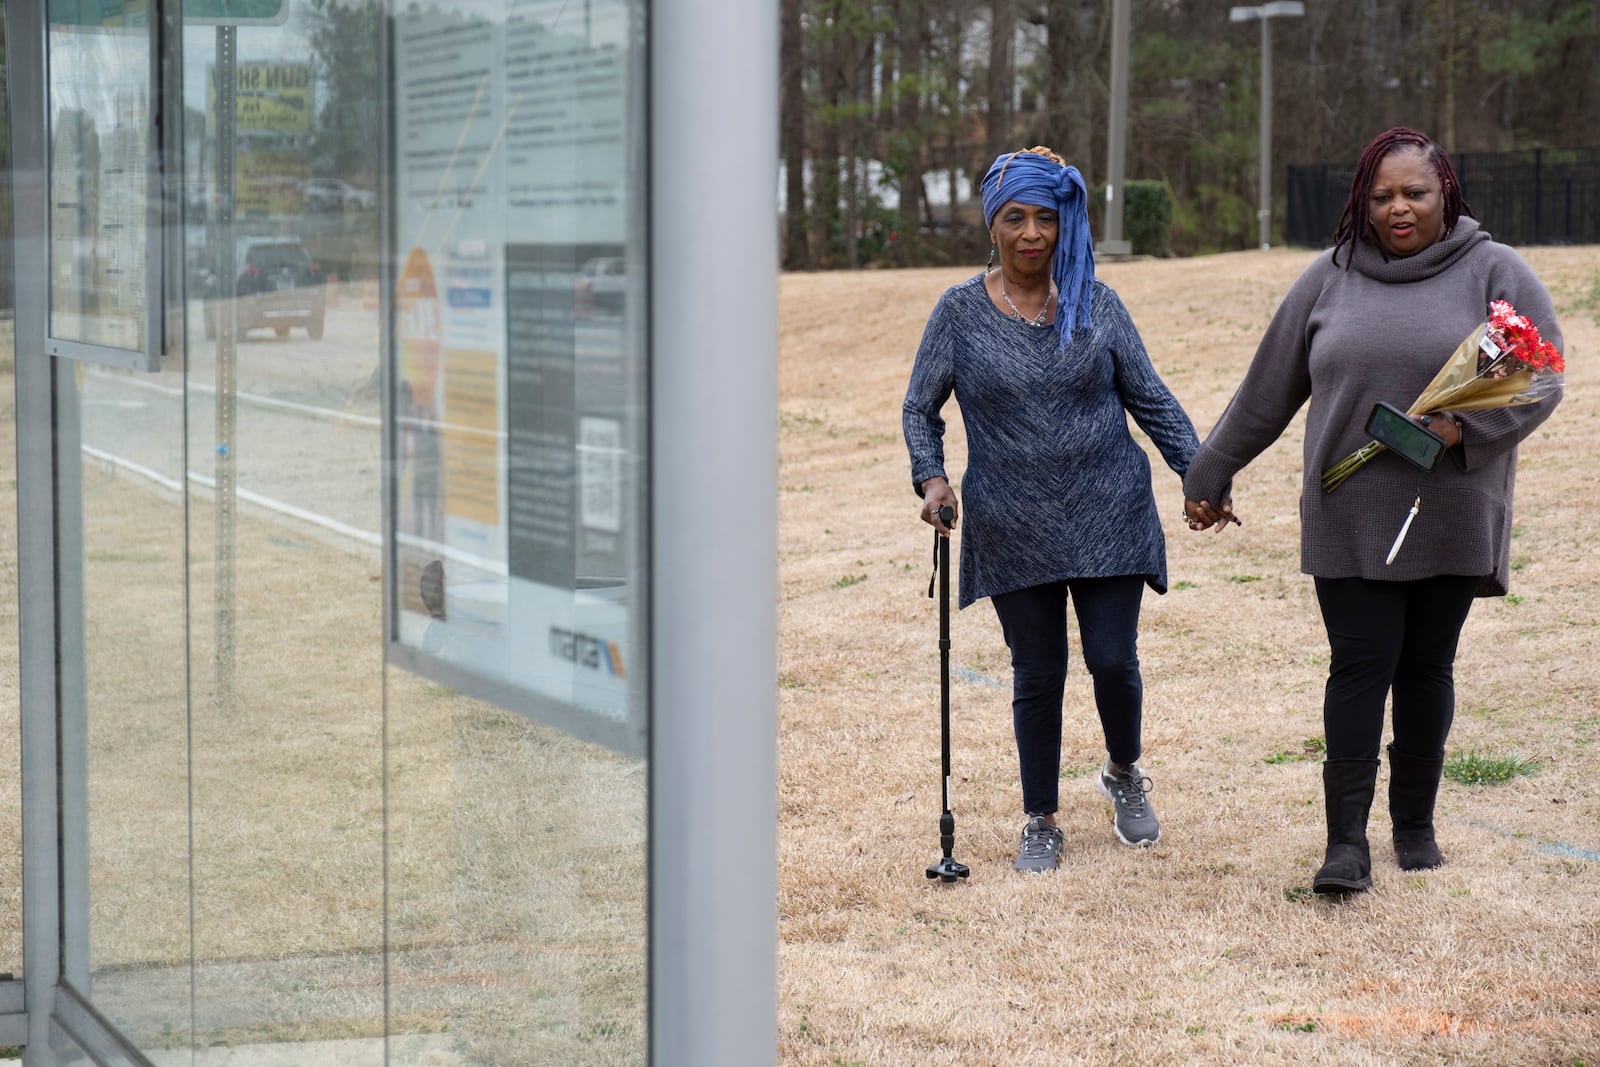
(1029, 178)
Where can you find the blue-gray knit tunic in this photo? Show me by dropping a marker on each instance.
(1055, 486)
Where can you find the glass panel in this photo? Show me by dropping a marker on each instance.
(516, 889)
(518, 361)
(233, 741)
(124, 724)
(286, 500)
(66, 1051)
(517, 786)
(124, 744)
(10, 703)
(99, 61)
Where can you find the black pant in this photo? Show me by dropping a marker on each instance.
(1034, 621)
(1388, 637)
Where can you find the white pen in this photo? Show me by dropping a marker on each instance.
(1399, 538)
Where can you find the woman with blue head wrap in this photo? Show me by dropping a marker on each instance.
(1046, 365)
(1038, 179)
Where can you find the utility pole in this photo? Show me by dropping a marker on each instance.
(1266, 13)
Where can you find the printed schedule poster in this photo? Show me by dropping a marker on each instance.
(100, 123)
(513, 542)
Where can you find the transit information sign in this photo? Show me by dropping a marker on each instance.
(235, 12)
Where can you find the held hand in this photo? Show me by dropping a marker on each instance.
(1200, 515)
(1444, 425)
(936, 494)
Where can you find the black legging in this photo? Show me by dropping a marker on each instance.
(1391, 636)
(1034, 621)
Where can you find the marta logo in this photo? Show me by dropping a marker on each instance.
(587, 650)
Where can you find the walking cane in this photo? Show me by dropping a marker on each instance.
(946, 869)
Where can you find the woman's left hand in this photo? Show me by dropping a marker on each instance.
(1444, 426)
(1200, 515)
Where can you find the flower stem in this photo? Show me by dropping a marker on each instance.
(1335, 476)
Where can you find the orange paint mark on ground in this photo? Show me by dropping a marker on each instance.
(1406, 1023)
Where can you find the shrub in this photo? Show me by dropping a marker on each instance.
(1146, 216)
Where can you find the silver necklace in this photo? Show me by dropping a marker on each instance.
(1037, 320)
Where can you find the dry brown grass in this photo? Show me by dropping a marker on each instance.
(1206, 948)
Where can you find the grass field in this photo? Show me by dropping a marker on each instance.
(1209, 947)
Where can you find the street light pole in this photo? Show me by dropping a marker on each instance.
(1264, 212)
(1266, 13)
(1117, 135)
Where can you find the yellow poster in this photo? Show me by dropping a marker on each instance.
(471, 436)
(270, 183)
(271, 98)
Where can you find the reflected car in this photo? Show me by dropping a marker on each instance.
(279, 286)
(602, 286)
(335, 194)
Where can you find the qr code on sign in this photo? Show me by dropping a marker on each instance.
(600, 473)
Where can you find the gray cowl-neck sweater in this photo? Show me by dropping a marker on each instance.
(1380, 330)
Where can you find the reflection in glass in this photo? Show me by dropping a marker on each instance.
(285, 606)
(518, 368)
(129, 732)
(516, 697)
(100, 123)
(516, 874)
(68, 1052)
(123, 729)
(252, 769)
(10, 702)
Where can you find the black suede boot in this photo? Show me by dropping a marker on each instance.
(1413, 787)
(1347, 787)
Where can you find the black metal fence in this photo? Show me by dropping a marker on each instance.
(1541, 196)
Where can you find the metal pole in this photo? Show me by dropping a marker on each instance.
(38, 552)
(1264, 213)
(223, 303)
(713, 748)
(1266, 13)
(1117, 141)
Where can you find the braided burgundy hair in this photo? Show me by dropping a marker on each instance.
(1356, 222)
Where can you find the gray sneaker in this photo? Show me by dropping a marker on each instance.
(1125, 787)
(1041, 844)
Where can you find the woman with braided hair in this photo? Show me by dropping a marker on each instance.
(1373, 319)
(1046, 364)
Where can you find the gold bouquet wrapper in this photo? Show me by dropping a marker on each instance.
(1459, 386)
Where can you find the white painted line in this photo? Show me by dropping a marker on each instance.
(249, 398)
(136, 468)
(362, 536)
(256, 400)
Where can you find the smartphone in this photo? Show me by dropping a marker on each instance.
(1411, 441)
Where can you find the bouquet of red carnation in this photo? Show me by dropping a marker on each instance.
(1512, 343)
(1502, 363)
